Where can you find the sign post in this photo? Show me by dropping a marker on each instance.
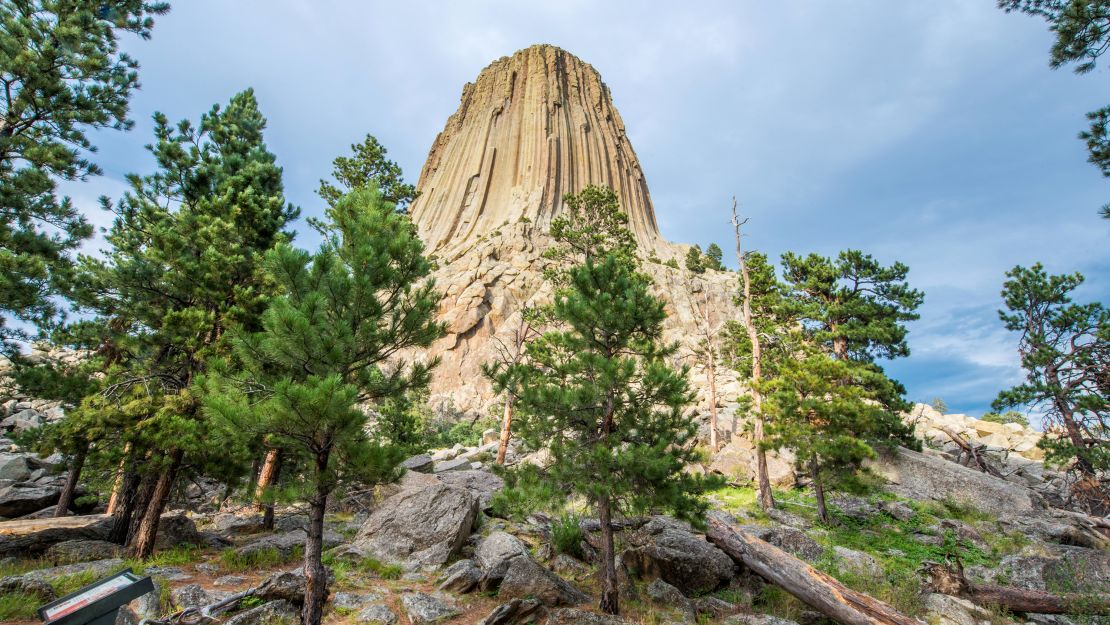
(97, 603)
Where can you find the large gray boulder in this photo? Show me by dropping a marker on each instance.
(571, 616)
(20, 499)
(1062, 569)
(527, 578)
(494, 553)
(514, 612)
(272, 613)
(419, 527)
(423, 609)
(25, 538)
(482, 484)
(69, 551)
(668, 549)
(929, 476)
(14, 467)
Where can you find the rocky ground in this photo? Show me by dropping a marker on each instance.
(438, 546)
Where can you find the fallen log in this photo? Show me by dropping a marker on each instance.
(950, 580)
(816, 589)
(972, 453)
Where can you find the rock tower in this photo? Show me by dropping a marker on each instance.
(533, 127)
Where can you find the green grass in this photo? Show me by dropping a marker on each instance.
(19, 606)
(379, 568)
(566, 535)
(66, 584)
(19, 567)
(233, 561)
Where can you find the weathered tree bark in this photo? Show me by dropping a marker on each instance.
(610, 595)
(142, 546)
(76, 463)
(118, 483)
(266, 477)
(950, 580)
(506, 429)
(818, 489)
(766, 497)
(816, 589)
(268, 507)
(316, 577)
(135, 506)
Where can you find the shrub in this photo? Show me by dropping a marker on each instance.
(1010, 416)
(19, 606)
(566, 535)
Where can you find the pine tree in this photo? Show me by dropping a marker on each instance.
(1082, 36)
(827, 412)
(853, 305)
(327, 345)
(368, 167)
(183, 269)
(714, 258)
(694, 260)
(63, 76)
(598, 393)
(1065, 351)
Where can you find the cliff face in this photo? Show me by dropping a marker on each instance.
(532, 128)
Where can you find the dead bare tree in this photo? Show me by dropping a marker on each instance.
(708, 349)
(509, 354)
(766, 498)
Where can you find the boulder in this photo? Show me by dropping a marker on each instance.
(272, 613)
(461, 577)
(419, 527)
(33, 537)
(70, 551)
(571, 616)
(194, 596)
(482, 484)
(668, 549)
(526, 578)
(22, 421)
(174, 528)
(514, 612)
(287, 544)
(354, 601)
(857, 562)
(1064, 569)
(20, 583)
(284, 586)
(423, 608)
(494, 553)
(96, 568)
(20, 499)
(925, 476)
(788, 539)
(421, 463)
(376, 614)
(14, 467)
(948, 610)
(758, 619)
(455, 464)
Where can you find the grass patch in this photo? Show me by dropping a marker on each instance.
(566, 535)
(13, 567)
(235, 561)
(379, 568)
(68, 583)
(19, 606)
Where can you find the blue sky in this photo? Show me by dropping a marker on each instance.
(932, 133)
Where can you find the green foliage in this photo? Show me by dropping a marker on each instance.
(64, 76)
(826, 411)
(1065, 351)
(566, 534)
(852, 305)
(381, 569)
(714, 258)
(939, 405)
(368, 168)
(325, 342)
(1082, 36)
(1010, 416)
(672, 263)
(695, 262)
(19, 606)
(593, 227)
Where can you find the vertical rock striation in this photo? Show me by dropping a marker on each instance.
(532, 128)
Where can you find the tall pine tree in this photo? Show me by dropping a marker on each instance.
(63, 75)
(183, 269)
(328, 344)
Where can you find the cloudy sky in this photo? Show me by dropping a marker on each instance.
(928, 132)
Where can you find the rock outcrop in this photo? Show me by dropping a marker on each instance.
(532, 128)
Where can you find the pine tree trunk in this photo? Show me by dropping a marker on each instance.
(610, 594)
(316, 577)
(268, 509)
(266, 478)
(506, 429)
(76, 463)
(143, 543)
(125, 507)
(818, 489)
(138, 509)
(118, 483)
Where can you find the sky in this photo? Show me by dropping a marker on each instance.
(932, 133)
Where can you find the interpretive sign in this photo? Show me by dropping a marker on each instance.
(97, 603)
